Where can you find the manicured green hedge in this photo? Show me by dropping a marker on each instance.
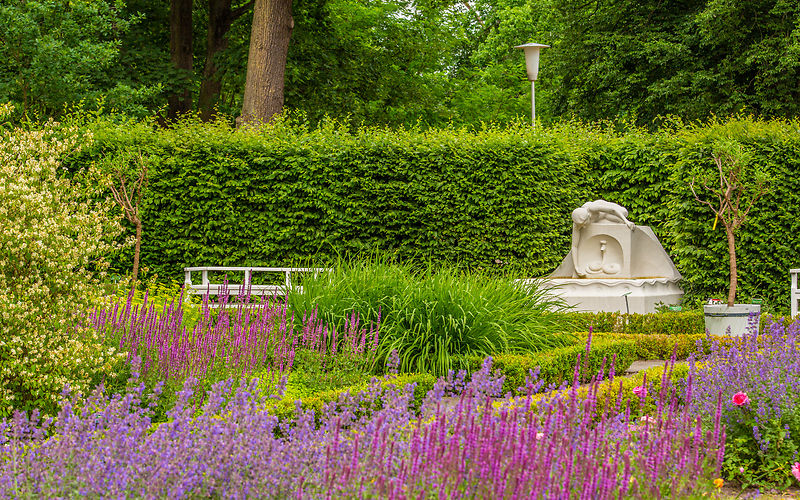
(668, 323)
(277, 197)
(286, 408)
(659, 345)
(609, 393)
(558, 365)
(492, 198)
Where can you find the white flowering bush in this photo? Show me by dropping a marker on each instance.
(53, 234)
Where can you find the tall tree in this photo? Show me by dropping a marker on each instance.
(180, 48)
(266, 61)
(221, 16)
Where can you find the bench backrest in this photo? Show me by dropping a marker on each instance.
(206, 287)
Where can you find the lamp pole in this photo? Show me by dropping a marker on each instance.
(532, 51)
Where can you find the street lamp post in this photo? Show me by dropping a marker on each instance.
(532, 64)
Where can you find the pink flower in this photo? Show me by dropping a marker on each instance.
(640, 391)
(740, 399)
(796, 470)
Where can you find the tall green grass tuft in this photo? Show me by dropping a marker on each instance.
(434, 318)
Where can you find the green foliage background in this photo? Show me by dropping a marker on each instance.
(393, 62)
(496, 198)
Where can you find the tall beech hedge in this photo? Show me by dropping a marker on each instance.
(491, 198)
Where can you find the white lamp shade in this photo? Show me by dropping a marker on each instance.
(532, 58)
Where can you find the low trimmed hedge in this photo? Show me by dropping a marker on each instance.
(668, 323)
(620, 389)
(558, 365)
(285, 409)
(658, 346)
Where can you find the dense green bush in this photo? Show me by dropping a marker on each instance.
(286, 408)
(493, 198)
(433, 316)
(658, 345)
(669, 323)
(558, 365)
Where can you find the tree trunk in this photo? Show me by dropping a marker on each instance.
(137, 250)
(220, 19)
(732, 254)
(180, 48)
(266, 62)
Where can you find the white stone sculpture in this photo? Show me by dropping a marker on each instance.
(613, 264)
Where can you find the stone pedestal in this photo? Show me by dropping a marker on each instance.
(597, 295)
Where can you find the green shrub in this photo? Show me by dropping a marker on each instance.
(52, 241)
(558, 365)
(659, 345)
(432, 317)
(667, 323)
(286, 408)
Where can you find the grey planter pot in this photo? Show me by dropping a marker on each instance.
(733, 321)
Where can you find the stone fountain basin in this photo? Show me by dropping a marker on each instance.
(609, 294)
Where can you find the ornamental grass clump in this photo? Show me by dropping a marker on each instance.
(759, 377)
(371, 445)
(435, 318)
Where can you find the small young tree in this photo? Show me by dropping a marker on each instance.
(739, 188)
(127, 182)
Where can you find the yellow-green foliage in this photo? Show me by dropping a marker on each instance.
(51, 237)
(608, 393)
(558, 365)
(667, 323)
(285, 408)
(657, 346)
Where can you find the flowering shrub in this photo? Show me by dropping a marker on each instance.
(53, 235)
(760, 380)
(372, 444)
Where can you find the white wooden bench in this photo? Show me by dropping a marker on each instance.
(206, 287)
(795, 291)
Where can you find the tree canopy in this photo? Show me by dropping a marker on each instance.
(412, 61)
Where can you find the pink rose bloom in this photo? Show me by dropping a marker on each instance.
(796, 470)
(740, 399)
(640, 391)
